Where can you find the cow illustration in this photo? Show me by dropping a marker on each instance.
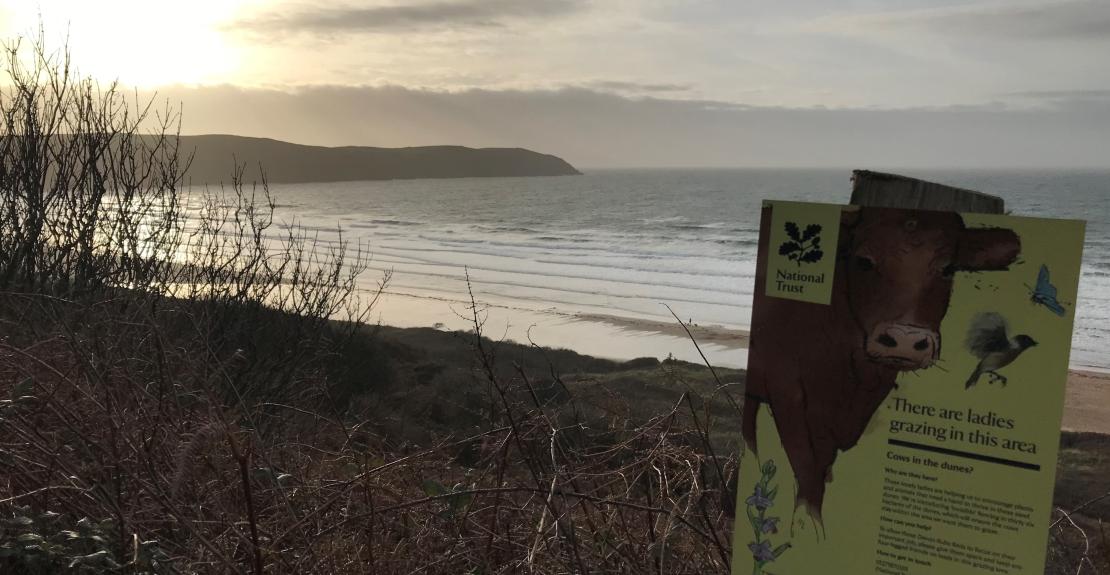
(825, 369)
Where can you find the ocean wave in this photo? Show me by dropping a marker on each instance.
(541, 280)
(687, 266)
(300, 225)
(747, 243)
(376, 223)
(663, 220)
(512, 229)
(653, 270)
(498, 249)
(524, 236)
(398, 282)
(709, 226)
(563, 239)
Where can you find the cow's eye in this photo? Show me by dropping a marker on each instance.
(865, 263)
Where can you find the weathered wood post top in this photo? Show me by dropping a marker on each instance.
(877, 189)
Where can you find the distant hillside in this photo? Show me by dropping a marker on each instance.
(284, 162)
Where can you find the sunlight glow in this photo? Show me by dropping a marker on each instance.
(141, 43)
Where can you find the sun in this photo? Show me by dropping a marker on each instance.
(141, 43)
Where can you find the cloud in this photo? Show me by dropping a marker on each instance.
(627, 87)
(1069, 19)
(407, 17)
(1093, 94)
(593, 128)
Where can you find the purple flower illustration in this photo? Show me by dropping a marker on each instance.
(758, 499)
(763, 527)
(762, 551)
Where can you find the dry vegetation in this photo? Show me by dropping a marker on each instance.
(131, 443)
(177, 396)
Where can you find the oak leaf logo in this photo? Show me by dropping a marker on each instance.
(803, 246)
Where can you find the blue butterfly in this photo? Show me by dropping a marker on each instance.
(1045, 293)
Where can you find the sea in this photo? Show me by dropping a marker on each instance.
(563, 261)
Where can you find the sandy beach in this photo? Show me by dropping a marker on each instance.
(1087, 404)
(598, 335)
(715, 334)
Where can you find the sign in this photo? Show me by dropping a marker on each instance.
(802, 260)
(904, 392)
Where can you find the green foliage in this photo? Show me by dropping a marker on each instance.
(456, 497)
(45, 543)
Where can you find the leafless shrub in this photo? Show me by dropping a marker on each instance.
(127, 318)
(84, 196)
(1077, 542)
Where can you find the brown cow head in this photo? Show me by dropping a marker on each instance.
(899, 266)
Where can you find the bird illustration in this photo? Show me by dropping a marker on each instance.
(988, 339)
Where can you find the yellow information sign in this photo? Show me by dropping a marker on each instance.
(903, 417)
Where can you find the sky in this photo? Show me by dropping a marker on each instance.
(715, 83)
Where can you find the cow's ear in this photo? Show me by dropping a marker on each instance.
(988, 249)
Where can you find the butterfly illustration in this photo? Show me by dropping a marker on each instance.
(1045, 293)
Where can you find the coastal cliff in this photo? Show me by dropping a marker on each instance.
(285, 162)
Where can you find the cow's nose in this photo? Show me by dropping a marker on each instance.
(906, 346)
(887, 341)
